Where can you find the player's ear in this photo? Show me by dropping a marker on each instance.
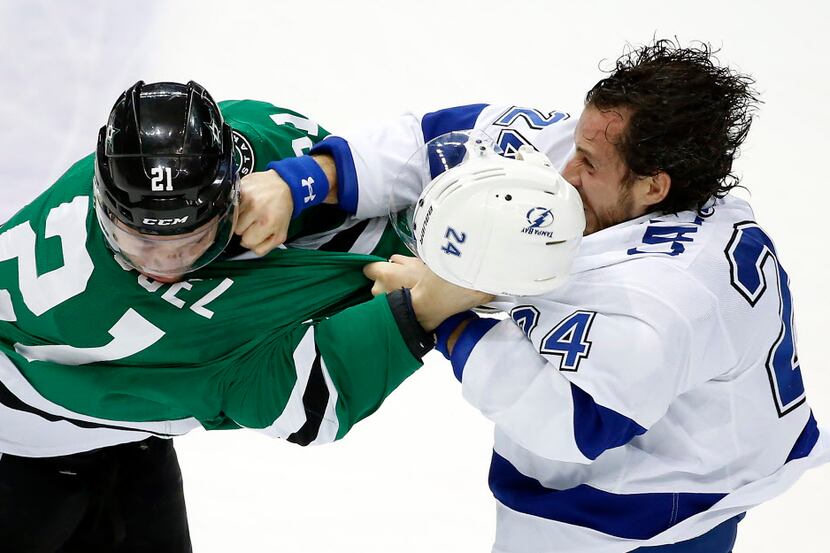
(653, 189)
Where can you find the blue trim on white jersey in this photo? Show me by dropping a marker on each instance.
(720, 539)
(806, 440)
(347, 191)
(597, 428)
(638, 516)
(459, 118)
(474, 331)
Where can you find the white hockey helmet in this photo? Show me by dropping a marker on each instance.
(499, 225)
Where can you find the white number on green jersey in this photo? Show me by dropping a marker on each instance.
(300, 123)
(42, 293)
(131, 334)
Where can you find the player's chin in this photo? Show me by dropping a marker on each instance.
(591, 223)
(166, 279)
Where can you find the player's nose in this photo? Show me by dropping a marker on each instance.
(570, 174)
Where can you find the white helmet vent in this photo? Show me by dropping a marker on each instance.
(449, 189)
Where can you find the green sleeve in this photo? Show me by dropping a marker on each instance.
(264, 133)
(367, 356)
(314, 383)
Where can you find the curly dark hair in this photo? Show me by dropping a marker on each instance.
(688, 118)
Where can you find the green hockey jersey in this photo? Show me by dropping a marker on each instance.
(93, 354)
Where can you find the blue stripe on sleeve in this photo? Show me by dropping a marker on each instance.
(631, 516)
(597, 428)
(806, 440)
(347, 192)
(474, 331)
(459, 118)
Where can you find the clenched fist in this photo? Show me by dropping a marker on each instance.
(433, 298)
(265, 208)
(399, 272)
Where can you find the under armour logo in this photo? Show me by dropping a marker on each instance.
(307, 183)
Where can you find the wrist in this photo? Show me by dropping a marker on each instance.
(447, 333)
(427, 311)
(344, 177)
(416, 338)
(456, 334)
(306, 180)
(327, 164)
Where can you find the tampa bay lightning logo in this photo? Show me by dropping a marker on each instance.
(539, 217)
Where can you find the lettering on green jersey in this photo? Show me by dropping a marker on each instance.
(170, 296)
(243, 153)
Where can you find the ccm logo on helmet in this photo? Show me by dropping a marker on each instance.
(165, 222)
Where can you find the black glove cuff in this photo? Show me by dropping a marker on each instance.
(418, 340)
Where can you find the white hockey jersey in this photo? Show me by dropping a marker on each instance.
(655, 395)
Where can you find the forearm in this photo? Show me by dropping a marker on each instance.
(367, 357)
(312, 384)
(369, 166)
(329, 167)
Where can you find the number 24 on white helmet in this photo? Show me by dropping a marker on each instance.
(499, 225)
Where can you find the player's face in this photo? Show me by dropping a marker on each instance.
(165, 258)
(598, 172)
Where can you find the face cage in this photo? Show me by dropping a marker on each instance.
(174, 255)
(433, 159)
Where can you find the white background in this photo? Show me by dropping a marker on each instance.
(413, 477)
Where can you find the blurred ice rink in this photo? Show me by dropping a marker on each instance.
(413, 477)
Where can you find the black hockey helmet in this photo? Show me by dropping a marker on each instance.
(164, 168)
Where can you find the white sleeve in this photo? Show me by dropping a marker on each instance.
(613, 377)
(511, 384)
(371, 162)
(380, 159)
